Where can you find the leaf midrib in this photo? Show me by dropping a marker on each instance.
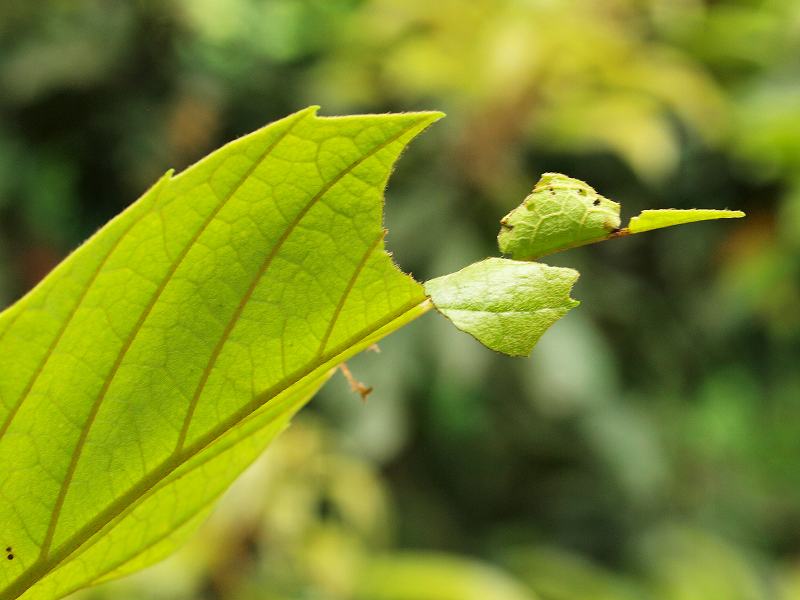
(150, 484)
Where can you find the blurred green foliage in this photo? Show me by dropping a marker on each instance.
(648, 450)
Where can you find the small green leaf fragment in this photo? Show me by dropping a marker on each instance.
(648, 220)
(560, 213)
(505, 304)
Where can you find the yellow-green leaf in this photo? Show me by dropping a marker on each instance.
(149, 368)
(648, 220)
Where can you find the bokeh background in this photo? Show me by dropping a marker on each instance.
(648, 449)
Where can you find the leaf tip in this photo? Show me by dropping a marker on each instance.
(434, 115)
(310, 110)
(424, 118)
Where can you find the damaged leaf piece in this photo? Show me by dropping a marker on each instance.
(560, 213)
(505, 304)
(563, 212)
(648, 220)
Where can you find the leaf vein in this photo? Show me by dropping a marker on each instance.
(260, 274)
(150, 483)
(70, 316)
(45, 549)
(340, 305)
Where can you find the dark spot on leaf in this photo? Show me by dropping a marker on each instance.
(581, 191)
(552, 191)
(596, 202)
(8, 549)
(10, 557)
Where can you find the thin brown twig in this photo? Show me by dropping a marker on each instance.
(363, 390)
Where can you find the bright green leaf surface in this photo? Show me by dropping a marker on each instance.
(157, 361)
(505, 304)
(648, 220)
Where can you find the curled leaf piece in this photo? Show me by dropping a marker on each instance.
(505, 304)
(560, 213)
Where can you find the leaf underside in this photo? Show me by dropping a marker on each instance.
(157, 361)
(505, 304)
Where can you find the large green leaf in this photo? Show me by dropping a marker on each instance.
(157, 361)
